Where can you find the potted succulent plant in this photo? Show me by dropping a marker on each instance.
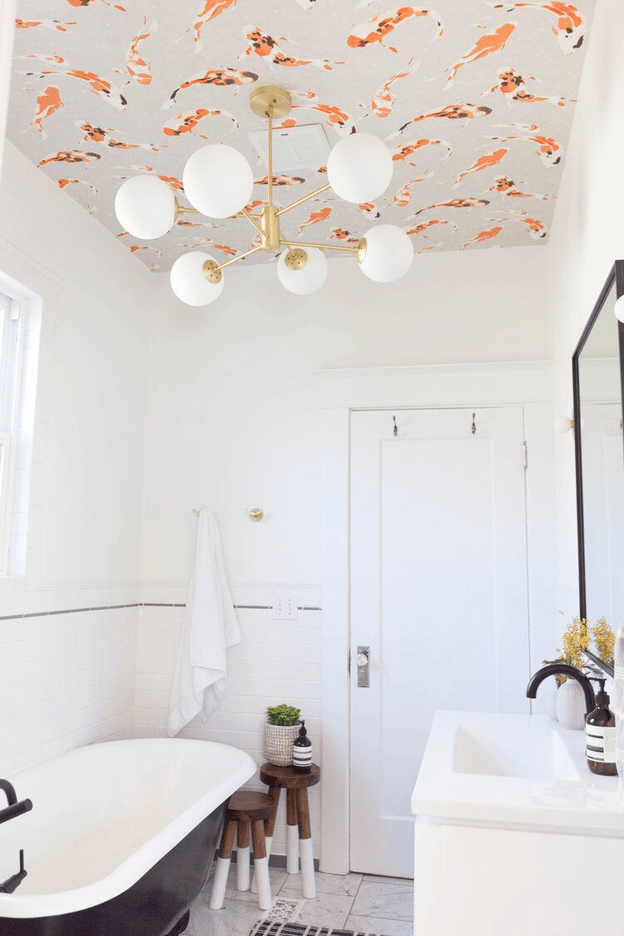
(280, 730)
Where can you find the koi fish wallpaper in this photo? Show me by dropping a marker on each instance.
(475, 100)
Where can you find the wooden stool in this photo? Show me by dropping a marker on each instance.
(246, 811)
(298, 834)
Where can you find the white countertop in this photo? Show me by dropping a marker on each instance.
(514, 770)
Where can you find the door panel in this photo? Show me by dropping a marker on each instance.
(438, 592)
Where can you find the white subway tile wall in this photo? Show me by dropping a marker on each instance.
(66, 678)
(277, 661)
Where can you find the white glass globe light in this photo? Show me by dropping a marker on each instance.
(145, 207)
(189, 283)
(389, 253)
(359, 168)
(619, 309)
(218, 180)
(309, 278)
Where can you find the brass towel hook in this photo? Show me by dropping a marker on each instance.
(256, 514)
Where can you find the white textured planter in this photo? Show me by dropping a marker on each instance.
(278, 743)
(571, 704)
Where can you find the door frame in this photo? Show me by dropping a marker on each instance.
(528, 384)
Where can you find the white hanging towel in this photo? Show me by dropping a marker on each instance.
(209, 627)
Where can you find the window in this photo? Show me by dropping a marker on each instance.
(19, 351)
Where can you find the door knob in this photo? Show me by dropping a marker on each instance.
(363, 667)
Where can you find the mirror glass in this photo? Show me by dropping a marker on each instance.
(600, 465)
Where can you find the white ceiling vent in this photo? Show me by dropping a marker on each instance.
(293, 147)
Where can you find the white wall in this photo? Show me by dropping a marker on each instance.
(235, 420)
(68, 642)
(586, 238)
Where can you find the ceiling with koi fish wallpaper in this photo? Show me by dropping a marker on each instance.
(474, 98)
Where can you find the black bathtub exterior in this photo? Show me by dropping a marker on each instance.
(152, 906)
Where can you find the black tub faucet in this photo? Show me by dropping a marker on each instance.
(14, 808)
(563, 669)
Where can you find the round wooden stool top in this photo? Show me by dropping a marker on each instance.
(288, 778)
(248, 806)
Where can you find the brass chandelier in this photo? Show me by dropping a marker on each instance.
(218, 182)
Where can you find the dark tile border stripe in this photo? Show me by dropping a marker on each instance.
(137, 604)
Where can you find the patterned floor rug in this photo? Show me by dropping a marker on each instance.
(268, 928)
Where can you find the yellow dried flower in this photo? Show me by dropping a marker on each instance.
(604, 638)
(575, 639)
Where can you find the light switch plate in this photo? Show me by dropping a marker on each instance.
(285, 605)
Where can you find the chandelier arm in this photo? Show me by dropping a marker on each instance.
(250, 218)
(239, 256)
(180, 209)
(300, 201)
(290, 243)
(270, 152)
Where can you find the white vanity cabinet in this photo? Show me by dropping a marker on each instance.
(514, 835)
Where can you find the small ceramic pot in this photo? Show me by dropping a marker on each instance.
(571, 704)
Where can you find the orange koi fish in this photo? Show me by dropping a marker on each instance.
(86, 3)
(570, 25)
(48, 59)
(63, 183)
(266, 47)
(280, 180)
(99, 135)
(404, 152)
(420, 229)
(48, 102)
(383, 102)
(134, 248)
(377, 28)
(220, 77)
(173, 182)
(209, 10)
(548, 149)
(136, 66)
(48, 24)
(450, 112)
(457, 203)
(512, 85)
(484, 162)
(254, 204)
(95, 84)
(483, 236)
(404, 196)
(230, 251)
(536, 228)
(333, 115)
(341, 234)
(507, 187)
(486, 45)
(316, 216)
(182, 223)
(69, 156)
(190, 122)
(369, 209)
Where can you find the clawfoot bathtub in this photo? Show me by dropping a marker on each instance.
(120, 838)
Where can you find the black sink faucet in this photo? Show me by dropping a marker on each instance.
(563, 669)
(14, 808)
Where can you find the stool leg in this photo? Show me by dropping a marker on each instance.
(269, 826)
(292, 838)
(242, 857)
(217, 894)
(261, 864)
(305, 844)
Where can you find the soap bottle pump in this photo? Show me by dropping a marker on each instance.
(600, 735)
(302, 752)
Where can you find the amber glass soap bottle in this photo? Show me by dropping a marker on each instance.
(600, 735)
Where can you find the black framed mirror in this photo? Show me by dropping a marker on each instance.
(598, 384)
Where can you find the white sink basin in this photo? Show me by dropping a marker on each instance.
(513, 769)
(494, 751)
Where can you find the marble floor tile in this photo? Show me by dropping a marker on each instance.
(389, 901)
(379, 925)
(235, 919)
(345, 884)
(326, 910)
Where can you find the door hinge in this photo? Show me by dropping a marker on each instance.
(349, 662)
(525, 455)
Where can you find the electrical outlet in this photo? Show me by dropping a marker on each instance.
(285, 606)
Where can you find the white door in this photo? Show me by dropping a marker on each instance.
(438, 593)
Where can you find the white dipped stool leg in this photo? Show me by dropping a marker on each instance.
(243, 879)
(268, 841)
(292, 833)
(217, 895)
(307, 868)
(261, 862)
